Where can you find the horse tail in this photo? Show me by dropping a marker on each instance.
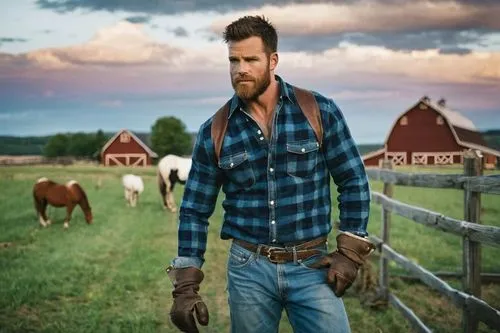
(42, 179)
(161, 184)
(39, 193)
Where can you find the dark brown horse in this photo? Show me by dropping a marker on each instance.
(47, 192)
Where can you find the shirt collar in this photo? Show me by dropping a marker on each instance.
(285, 88)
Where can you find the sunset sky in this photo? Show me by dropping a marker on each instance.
(102, 64)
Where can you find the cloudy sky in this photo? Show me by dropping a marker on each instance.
(81, 65)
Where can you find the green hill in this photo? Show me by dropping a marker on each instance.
(492, 138)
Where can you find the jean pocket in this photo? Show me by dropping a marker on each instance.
(238, 169)
(306, 263)
(302, 157)
(239, 257)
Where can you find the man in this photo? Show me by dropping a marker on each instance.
(275, 175)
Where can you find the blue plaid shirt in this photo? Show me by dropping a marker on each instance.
(277, 190)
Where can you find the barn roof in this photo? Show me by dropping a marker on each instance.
(454, 118)
(136, 139)
(374, 153)
(463, 129)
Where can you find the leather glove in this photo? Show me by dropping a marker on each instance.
(343, 264)
(186, 283)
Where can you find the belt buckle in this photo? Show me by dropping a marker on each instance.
(270, 251)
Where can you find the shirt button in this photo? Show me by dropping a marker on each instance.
(258, 132)
(303, 150)
(271, 202)
(273, 222)
(271, 170)
(231, 165)
(261, 138)
(274, 240)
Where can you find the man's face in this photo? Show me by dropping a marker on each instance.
(250, 67)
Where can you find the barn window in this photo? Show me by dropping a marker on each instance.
(439, 120)
(403, 121)
(423, 106)
(124, 138)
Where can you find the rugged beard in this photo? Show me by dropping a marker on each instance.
(252, 91)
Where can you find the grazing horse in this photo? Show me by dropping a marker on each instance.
(47, 192)
(172, 169)
(133, 187)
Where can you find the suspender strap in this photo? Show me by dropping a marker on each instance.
(218, 129)
(307, 104)
(310, 109)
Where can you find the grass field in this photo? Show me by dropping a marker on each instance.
(109, 276)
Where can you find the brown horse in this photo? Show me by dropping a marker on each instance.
(47, 192)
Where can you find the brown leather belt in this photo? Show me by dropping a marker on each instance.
(281, 255)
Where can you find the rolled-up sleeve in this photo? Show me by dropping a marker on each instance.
(199, 199)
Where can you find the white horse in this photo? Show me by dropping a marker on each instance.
(133, 187)
(172, 169)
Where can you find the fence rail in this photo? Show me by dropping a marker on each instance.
(473, 234)
(475, 306)
(484, 184)
(36, 160)
(415, 322)
(479, 233)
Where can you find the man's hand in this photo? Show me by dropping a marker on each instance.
(186, 283)
(343, 264)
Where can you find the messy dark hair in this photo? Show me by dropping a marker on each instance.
(252, 26)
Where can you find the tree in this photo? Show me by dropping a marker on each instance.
(81, 145)
(56, 146)
(100, 139)
(169, 136)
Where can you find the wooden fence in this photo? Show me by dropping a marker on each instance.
(473, 234)
(10, 160)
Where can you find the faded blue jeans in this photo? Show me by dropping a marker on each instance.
(259, 291)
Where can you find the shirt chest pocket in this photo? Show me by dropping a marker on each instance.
(238, 169)
(302, 157)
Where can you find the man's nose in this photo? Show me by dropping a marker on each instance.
(243, 68)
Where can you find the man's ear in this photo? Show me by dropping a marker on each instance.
(273, 61)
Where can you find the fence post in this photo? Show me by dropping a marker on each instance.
(386, 225)
(471, 281)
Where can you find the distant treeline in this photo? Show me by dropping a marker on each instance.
(89, 144)
(27, 145)
(492, 138)
(79, 144)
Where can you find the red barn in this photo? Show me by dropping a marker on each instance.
(429, 133)
(124, 148)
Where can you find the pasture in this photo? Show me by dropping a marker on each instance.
(109, 276)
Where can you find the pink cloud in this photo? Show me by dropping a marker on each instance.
(123, 60)
(370, 16)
